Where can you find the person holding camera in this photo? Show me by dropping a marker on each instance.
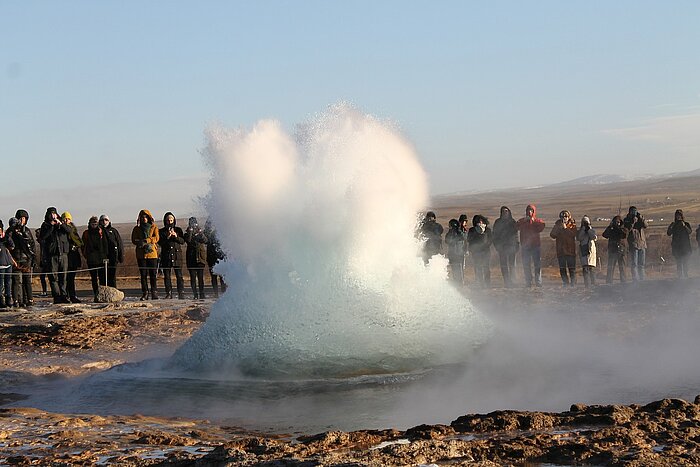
(530, 228)
(456, 240)
(505, 240)
(196, 256)
(637, 241)
(145, 236)
(564, 232)
(95, 252)
(55, 246)
(24, 255)
(75, 261)
(171, 241)
(680, 231)
(616, 233)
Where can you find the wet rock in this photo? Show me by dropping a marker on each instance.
(107, 294)
(197, 314)
(160, 438)
(429, 432)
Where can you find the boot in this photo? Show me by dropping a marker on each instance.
(75, 300)
(154, 295)
(2, 302)
(180, 295)
(144, 296)
(168, 295)
(202, 296)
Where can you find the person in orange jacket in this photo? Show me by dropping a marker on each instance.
(530, 228)
(145, 237)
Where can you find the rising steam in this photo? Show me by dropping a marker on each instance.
(323, 265)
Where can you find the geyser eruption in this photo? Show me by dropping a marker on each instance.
(324, 272)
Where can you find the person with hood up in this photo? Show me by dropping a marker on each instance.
(214, 255)
(456, 238)
(479, 245)
(171, 240)
(196, 256)
(55, 246)
(637, 242)
(586, 238)
(145, 236)
(530, 228)
(115, 249)
(430, 233)
(74, 259)
(616, 233)
(95, 252)
(564, 232)
(505, 240)
(42, 272)
(24, 255)
(680, 231)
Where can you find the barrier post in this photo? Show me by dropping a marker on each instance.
(106, 262)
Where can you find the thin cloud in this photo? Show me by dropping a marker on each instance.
(677, 131)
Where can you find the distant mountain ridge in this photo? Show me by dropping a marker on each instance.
(589, 180)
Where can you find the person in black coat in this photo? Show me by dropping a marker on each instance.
(54, 249)
(430, 232)
(616, 233)
(214, 255)
(25, 256)
(115, 249)
(505, 240)
(196, 256)
(95, 251)
(680, 231)
(479, 240)
(171, 240)
(456, 241)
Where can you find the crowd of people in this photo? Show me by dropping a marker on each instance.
(627, 245)
(58, 250)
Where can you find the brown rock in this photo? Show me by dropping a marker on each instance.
(107, 294)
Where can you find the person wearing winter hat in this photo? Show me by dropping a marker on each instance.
(75, 261)
(616, 233)
(145, 236)
(530, 228)
(479, 242)
(24, 255)
(586, 238)
(680, 231)
(196, 256)
(55, 246)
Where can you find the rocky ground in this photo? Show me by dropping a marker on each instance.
(65, 341)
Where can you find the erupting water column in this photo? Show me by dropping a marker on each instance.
(324, 273)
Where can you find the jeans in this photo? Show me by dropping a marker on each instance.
(6, 283)
(637, 262)
(147, 272)
(197, 280)
(56, 269)
(615, 258)
(482, 268)
(531, 257)
(567, 269)
(179, 281)
(682, 265)
(507, 260)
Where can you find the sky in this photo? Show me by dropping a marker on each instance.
(103, 105)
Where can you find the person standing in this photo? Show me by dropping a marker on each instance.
(530, 228)
(455, 239)
(431, 234)
(42, 271)
(680, 231)
(74, 259)
(586, 238)
(196, 256)
(479, 245)
(115, 249)
(171, 240)
(54, 253)
(95, 252)
(7, 264)
(214, 255)
(25, 257)
(505, 240)
(616, 233)
(637, 240)
(564, 232)
(145, 236)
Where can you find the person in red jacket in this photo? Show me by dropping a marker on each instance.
(530, 228)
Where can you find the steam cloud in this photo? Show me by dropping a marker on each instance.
(324, 268)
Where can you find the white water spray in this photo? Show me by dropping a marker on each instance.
(324, 272)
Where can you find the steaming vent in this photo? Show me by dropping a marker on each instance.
(324, 273)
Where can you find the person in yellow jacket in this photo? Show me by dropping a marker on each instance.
(145, 237)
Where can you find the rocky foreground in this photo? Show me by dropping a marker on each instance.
(663, 433)
(64, 341)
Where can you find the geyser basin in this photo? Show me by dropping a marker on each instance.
(324, 269)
